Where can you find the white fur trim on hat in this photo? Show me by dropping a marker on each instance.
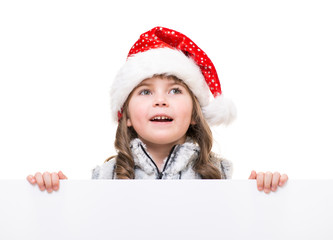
(220, 110)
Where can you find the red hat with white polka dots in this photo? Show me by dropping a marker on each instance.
(165, 51)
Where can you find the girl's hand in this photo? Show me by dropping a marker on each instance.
(47, 181)
(269, 181)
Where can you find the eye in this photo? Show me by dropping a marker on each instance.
(175, 91)
(145, 92)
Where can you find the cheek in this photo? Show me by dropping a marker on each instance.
(189, 115)
(188, 107)
(136, 112)
(185, 109)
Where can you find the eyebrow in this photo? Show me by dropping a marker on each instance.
(149, 84)
(143, 84)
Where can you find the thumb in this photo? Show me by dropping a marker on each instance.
(253, 175)
(31, 179)
(61, 175)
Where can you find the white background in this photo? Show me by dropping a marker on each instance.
(58, 58)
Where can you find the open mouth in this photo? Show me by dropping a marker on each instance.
(161, 119)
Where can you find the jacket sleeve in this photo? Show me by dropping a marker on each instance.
(226, 168)
(105, 171)
(224, 165)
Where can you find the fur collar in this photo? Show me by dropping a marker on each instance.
(179, 158)
(179, 162)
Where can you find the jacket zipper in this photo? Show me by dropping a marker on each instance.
(160, 174)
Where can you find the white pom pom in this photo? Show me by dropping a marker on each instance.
(220, 111)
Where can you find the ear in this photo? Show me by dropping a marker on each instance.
(193, 122)
(128, 122)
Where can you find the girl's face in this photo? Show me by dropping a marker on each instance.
(160, 111)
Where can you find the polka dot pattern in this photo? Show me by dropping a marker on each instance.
(160, 37)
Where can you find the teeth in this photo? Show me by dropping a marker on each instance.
(160, 118)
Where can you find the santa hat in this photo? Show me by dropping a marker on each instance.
(165, 51)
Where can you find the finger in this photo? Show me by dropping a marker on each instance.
(283, 179)
(31, 179)
(260, 181)
(275, 181)
(268, 182)
(253, 175)
(40, 181)
(61, 175)
(48, 181)
(55, 181)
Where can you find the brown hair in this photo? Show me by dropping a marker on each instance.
(199, 132)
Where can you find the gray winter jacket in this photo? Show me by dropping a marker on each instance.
(178, 165)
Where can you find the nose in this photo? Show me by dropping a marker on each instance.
(160, 101)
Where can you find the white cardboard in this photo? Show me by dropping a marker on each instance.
(145, 209)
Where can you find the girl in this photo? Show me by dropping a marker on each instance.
(164, 98)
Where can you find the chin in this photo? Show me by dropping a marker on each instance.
(167, 140)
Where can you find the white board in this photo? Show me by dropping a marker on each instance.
(189, 209)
